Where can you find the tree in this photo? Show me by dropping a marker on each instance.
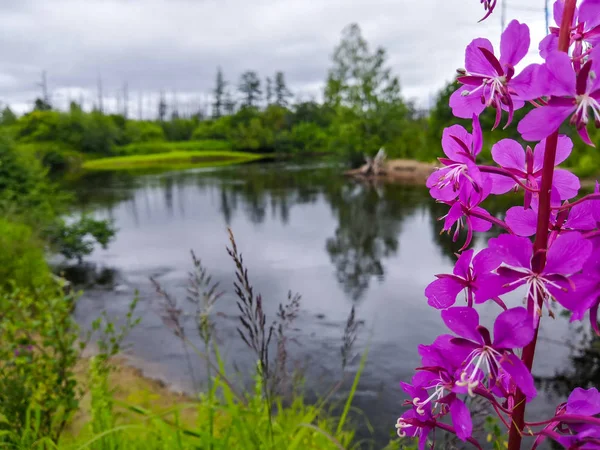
(269, 90)
(162, 107)
(7, 116)
(219, 93)
(41, 105)
(229, 103)
(250, 88)
(282, 93)
(359, 78)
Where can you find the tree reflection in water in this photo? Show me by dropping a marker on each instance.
(369, 216)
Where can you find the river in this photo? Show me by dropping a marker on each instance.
(303, 228)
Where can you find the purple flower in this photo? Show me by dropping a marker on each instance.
(585, 28)
(411, 424)
(489, 82)
(461, 149)
(527, 166)
(518, 266)
(442, 293)
(587, 296)
(523, 222)
(572, 94)
(488, 358)
(465, 212)
(434, 386)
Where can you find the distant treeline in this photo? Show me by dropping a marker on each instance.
(362, 110)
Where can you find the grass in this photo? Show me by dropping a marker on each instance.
(146, 148)
(171, 160)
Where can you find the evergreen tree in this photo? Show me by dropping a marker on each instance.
(282, 93)
(250, 88)
(219, 92)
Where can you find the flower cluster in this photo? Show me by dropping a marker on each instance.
(548, 247)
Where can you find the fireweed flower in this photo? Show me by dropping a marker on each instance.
(527, 167)
(488, 81)
(518, 266)
(587, 296)
(581, 402)
(461, 149)
(585, 30)
(523, 221)
(434, 390)
(442, 293)
(465, 212)
(572, 94)
(487, 357)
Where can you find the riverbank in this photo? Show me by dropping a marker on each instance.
(171, 160)
(396, 171)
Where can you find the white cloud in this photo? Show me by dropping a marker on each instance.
(176, 45)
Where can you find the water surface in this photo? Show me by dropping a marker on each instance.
(307, 229)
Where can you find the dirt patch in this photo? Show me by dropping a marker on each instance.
(397, 170)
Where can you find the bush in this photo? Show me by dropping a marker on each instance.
(38, 391)
(22, 261)
(138, 131)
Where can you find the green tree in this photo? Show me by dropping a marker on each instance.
(219, 93)
(162, 107)
(250, 88)
(41, 105)
(366, 97)
(268, 90)
(282, 93)
(7, 117)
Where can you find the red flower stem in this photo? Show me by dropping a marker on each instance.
(491, 219)
(586, 198)
(541, 237)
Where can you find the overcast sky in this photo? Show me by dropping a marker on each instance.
(176, 45)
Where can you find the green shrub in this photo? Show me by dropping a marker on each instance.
(37, 359)
(22, 260)
(142, 131)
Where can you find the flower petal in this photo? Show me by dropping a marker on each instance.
(548, 45)
(475, 61)
(461, 268)
(501, 184)
(542, 122)
(589, 12)
(514, 43)
(453, 149)
(461, 419)
(585, 402)
(464, 106)
(531, 83)
(521, 221)
(513, 250)
(509, 154)
(463, 321)
(519, 374)
(478, 224)
(442, 293)
(513, 329)
(563, 76)
(566, 183)
(564, 147)
(455, 213)
(567, 254)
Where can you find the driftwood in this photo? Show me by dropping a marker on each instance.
(395, 170)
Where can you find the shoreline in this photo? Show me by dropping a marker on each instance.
(396, 171)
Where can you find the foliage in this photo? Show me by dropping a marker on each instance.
(22, 260)
(249, 87)
(38, 355)
(76, 239)
(148, 148)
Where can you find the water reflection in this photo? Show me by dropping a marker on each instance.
(308, 229)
